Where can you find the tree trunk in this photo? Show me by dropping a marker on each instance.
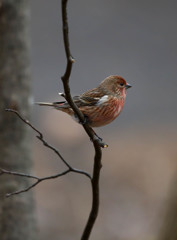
(17, 220)
(169, 226)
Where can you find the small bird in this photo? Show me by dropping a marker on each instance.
(100, 105)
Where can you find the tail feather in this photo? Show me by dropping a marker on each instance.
(59, 103)
(62, 106)
(56, 105)
(45, 104)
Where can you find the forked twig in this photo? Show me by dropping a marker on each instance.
(41, 138)
(38, 180)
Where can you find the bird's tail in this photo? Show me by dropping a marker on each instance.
(57, 105)
(45, 104)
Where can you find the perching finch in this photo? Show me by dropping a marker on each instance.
(100, 105)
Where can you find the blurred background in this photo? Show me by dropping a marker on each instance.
(134, 39)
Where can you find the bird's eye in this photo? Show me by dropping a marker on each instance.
(121, 84)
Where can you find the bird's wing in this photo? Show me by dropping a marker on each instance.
(91, 97)
(87, 101)
(64, 104)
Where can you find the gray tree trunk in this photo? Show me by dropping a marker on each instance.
(17, 220)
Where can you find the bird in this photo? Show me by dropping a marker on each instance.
(100, 105)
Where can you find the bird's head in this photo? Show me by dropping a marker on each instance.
(115, 85)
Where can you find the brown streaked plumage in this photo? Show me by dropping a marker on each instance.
(100, 105)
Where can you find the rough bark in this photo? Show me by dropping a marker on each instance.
(17, 212)
(169, 226)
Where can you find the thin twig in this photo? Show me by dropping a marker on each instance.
(38, 180)
(97, 143)
(4, 171)
(41, 138)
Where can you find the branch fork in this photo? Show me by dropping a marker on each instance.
(46, 144)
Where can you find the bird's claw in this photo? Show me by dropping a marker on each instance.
(85, 121)
(100, 139)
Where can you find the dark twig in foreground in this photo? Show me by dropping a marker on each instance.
(96, 141)
(38, 180)
(41, 138)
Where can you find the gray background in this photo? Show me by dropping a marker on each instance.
(134, 39)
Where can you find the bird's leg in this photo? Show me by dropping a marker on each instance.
(97, 135)
(85, 121)
(100, 140)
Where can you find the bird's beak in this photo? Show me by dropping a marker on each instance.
(127, 86)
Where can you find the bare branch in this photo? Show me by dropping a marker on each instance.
(3, 171)
(38, 180)
(66, 76)
(97, 142)
(41, 138)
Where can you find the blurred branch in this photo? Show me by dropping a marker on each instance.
(97, 143)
